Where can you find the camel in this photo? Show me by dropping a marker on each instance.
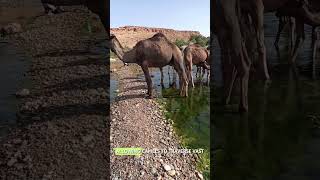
(235, 60)
(156, 51)
(195, 54)
(99, 7)
(310, 17)
(228, 25)
(161, 71)
(283, 22)
(316, 45)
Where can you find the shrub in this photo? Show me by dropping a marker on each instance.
(199, 39)
(181, 42)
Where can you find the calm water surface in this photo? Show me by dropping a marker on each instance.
(13, 66)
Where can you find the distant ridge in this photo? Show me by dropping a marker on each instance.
(130, 35)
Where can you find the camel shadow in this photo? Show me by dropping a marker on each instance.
(84, 62)
(74, 52)
(126, 78)
(44, 114)
(130, 96)
(93, 82)
(136, 88)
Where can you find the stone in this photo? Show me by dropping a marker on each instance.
(23, 93)
(199, 175)
(86, 139)
(154, 171)
(166, 167)
(172, 172)
(12, 161)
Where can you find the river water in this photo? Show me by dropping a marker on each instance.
(279, 138)
(14, 64)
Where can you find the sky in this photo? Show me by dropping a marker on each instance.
(174, 14)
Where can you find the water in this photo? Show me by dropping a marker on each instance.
(13, 67)
(113, 88)
(278, 138)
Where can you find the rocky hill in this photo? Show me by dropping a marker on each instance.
(130, 35)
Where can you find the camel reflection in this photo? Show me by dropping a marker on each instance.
(259, 144)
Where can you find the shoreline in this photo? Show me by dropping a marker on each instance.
(140, 122)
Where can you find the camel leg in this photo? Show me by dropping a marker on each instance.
(203, 72)
(208, 76)
(257, 17)
(183, 80)
(291, 34)
(237, 50)
(169, 74)
(190, 74)
(280, 29)
(314, 55)
(161, 80)
(197, 71)
(148, 79)
(299, 40)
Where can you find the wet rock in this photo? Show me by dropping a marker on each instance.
(23, 93)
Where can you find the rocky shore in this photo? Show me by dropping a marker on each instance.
(62, 124)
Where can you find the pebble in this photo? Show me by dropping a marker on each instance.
(172, 172)
(12, 161)
(86, 139)
(199, 175)
(154, 171)
(23, 93)
(166, 167)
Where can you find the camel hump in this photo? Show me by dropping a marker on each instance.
(158, 36)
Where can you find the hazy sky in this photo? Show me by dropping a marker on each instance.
(173, 14)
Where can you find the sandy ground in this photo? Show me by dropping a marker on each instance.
(139, 122)
(63, 123)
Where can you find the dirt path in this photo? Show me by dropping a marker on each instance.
(139, 122)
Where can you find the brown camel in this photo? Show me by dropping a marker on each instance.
(235, 59)
(316, 46)
(99, 7)
(307, 14)
(156, 51)
(195, 54)
(227, 25)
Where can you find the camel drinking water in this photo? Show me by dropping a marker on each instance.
(195, 54)
(156, 51)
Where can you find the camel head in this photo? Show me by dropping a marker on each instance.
(116, 47)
